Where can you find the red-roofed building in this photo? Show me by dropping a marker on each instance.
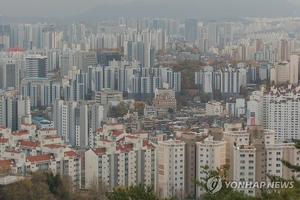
(99, 130)
(71, 154)
(15, 49)
(124, 147)
(66, 163)
(52, 139)
(4, 140)
(19, 133)
(8, 162)
(100, 150)
(29, 144)
(29, 148)
(148, 144)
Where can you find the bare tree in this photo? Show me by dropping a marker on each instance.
(97, 189)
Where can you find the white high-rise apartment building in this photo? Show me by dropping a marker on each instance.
(14, 109)
(277, 152)
(42, 91)
(234, 138)
(276, 109)
(244, 166)
(255, 109)
(281, 73)
(75, 121)
(210, 153)
(9, 74)
(65, 62)
(126, 160)
(171, 167)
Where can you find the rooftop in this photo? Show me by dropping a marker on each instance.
(6, 162)
(70, 153)
(20, 132)
(29, 143)
(38, 158)
(100, 150)
(40, 120)
(3, 140)
(124, 147)
(54, 146)
(49, 137)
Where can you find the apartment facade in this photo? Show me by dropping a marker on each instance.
(171, 168)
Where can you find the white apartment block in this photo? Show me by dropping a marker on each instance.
(234, 139)
(41, 91)
(171, 163)
(255, 109)
(25, 151)
(214, 108)
(278, 108)
(127, 161)
(278, 151)
(14, 109)
(244, 166)
(210, 153)
(75, 121)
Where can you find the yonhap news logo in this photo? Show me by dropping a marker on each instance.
(214, 184)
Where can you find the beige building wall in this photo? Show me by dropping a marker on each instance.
(245, 167)
(171, 168)
(211, 153)
(234, 138)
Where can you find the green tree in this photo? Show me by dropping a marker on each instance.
(120, 110)
(170, 110)
(136, 192)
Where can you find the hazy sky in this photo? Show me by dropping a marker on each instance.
(50, 8)
(60, 8)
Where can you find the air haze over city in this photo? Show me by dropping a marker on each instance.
(148, 99)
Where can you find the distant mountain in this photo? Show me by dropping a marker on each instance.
(178, 9)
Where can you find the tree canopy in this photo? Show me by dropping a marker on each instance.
(134, 192)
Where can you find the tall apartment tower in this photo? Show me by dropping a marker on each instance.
(294, 68)
(84, 59)
(212, 33)
(171, 168)
(76, 120)
(14, 109)
(285, 49)
(191, 26)
(210, 153)
(9, 74)
(228, 33)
